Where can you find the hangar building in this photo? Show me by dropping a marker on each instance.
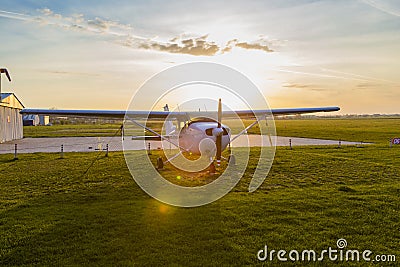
(34, 120)
(10, 118)
(30, 120)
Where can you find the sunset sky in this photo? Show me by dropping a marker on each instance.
(95, 54)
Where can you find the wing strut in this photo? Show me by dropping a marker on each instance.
(154, 132)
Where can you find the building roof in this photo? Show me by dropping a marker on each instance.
(4, 95)
(11, 100)
(30, 117)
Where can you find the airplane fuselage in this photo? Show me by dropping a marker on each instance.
(200, 135)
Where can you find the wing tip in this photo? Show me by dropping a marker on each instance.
(333, 109)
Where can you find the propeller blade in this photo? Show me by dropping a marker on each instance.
(218, 141)
(219, 113)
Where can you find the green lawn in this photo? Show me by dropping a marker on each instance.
(364, 129)
(72, 130)
(53, 214)
(377, 130)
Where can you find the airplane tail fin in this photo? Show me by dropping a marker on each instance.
(168, 124)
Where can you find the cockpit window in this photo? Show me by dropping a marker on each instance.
(209, 131)
(200, 119)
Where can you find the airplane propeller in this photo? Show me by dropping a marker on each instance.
(219, 132)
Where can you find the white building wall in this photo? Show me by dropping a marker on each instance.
(11, 126)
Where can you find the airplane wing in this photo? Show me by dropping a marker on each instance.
(112, 114)
(120, 114)
(276, 112)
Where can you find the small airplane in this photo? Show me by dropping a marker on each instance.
(198, 126)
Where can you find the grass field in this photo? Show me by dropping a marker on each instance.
(54, 214)
(377, 130)
(72, 130)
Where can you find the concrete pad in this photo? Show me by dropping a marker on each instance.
(92, 144)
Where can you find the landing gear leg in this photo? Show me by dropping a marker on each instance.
(212, 168)
(160, 163)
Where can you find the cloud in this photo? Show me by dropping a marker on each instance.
(200, 46)
(193, 46)
(46, 12)
(388, 6)
(13, 15)
(368, 86)
(322, 73)
(79, 22)
(260, 44)
(123, 34)
(357, 76)
(296, 85)
(311, 87)
(254, 46)
(72, 73)
(100, 24)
